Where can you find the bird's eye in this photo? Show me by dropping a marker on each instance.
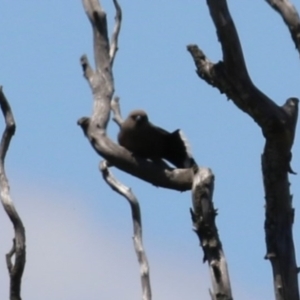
(138, 118)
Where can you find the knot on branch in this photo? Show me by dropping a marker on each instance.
(84, 123)
(279, 131)
(204, 67)
(291, 108)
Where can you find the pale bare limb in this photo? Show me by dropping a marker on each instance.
(115, 36)
(18, 250)
(126, 192)
(290, 17)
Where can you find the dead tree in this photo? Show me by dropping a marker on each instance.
(278, 124)
(18, 250)
(200, 180)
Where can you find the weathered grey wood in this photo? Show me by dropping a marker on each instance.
(137, 227)
(18, 251)
(278, 125)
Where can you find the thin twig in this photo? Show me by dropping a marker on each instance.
(115, 36)
(88, 72)
(290, 17)
(115, 107)
(18, 249)
(126, 192)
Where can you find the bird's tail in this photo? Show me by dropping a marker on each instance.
(179, 151)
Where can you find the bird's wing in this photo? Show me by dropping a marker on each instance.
(178, 150)
(160, 130)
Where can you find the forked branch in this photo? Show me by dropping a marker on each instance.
(18, 250)
(102, 85)
(278, 125)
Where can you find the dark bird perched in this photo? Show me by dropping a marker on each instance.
(148, 141)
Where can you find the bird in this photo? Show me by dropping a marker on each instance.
(148, 141)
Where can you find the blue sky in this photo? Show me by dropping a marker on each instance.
(73, 219)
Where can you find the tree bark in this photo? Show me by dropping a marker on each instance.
(18, 250)
(278, 125)
(203, 217)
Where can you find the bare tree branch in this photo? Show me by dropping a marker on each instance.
(203, 217)
(137, 227)
(115, 35)
(212, 296)
(18, 249)
(115, 107)
(102, 85)
(278, 124)
(290, 17)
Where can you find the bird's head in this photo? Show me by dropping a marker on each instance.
(139, 117)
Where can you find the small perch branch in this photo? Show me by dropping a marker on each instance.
(18, 249)
(203, 217)
(290, 17)
(278, 124)
(137, 227)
